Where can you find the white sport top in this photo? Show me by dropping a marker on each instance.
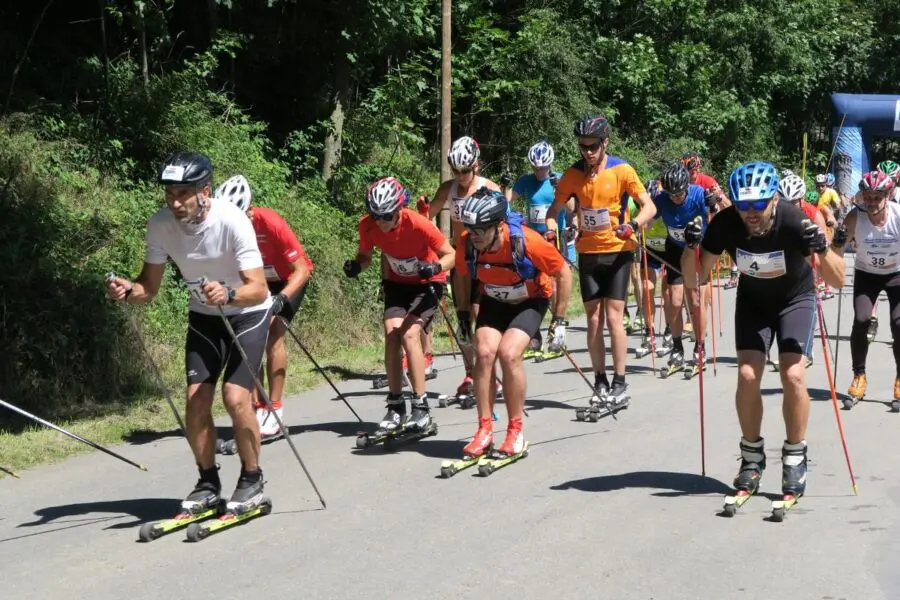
(457, 203)
(878, 248)
(219, 248)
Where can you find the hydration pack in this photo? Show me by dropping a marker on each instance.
(521, 264)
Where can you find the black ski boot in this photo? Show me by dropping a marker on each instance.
(420, 417)
(618, 396)
(753, 463)
(793, 469)
(393, 418)
(249, 492)
(206, 493)
(601, 390)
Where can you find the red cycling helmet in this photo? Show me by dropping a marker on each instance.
(876, 181)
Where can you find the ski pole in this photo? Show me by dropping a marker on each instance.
(162, 384)
(650, 307)
(318, 368)
(70, 434)
(265, 397)
(10, 472)
(834, 401)
(719, 294)
(837, 341)
(698, 335)
(453, 345)
(712, 332)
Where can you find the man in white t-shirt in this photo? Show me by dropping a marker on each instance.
(214, 240)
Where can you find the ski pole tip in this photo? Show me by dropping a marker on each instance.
(143, 468)
(855, 490)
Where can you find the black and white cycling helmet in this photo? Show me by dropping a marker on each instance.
(386, 196)
(237, 191)
(792, 188)
(464, 153)
(186, 168)
(485, 208)
(675, 178)
(541, 155)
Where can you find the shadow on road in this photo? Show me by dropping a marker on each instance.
(680, 484)
(431, 448)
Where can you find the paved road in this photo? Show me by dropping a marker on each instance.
(603, 510)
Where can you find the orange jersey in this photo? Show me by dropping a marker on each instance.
(497, 274)
(601, 203)
(414, 239)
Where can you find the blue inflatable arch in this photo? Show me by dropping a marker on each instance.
(858, 119)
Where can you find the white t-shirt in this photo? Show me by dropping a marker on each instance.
(219, 248)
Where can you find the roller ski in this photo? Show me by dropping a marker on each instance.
(746, 484)
(857, 391)
(533, 351)
(675, 364)
(204, 502)
(247, 502)
(666, 346)
(873, 329)
(645, 349)
(605, 402)
(430, 373)
(552, 352)
(692, 367)
(397, 427)
(480, 446)
(514, 447)
(732, 279)
(793, 479)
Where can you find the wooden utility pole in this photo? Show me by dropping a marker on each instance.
(444, 218)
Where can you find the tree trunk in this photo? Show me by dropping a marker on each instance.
(446, 72)
(332, 150)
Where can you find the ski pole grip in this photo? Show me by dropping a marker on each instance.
(110, 277)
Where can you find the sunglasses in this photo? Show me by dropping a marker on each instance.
(460, 171)
(477, 231)
(757, 205)
(388, 217)
(589, 147)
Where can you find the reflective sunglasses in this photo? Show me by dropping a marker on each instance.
(757, 205)
(590, 147)
(477, 231)
(388, 217)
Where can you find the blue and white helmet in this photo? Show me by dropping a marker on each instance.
(541, 155)
(829, 179)
(753, 181)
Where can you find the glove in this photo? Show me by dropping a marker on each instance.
(278, 303)
(554, 180)
(571, 234)
(840, 237)
(352, 268)
(550, 236)
(557, 334)
(626, 230)
(428, 270)
(814, 237)
(423, 205)
(693, 233)
(465, 326)
(505, 180)
(711, 197)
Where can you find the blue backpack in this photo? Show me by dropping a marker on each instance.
(521, 264)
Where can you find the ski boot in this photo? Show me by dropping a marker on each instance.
(465, 393)
(856, 392)
(618, 397)
(419, 419)
(895, 405)
(873, 329)
(692, 367)
(675, 364)
(480, 446)
(203, 502)
(269, 430)
(390, 424)
(732, 279)
(597, 402)
(827, 293)
(513, 448)
(635, 324)
(793, 478)
(247, 502)
(667, 344)
(645, 348)
(746, 483)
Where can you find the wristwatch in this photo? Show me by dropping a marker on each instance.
(231, 294)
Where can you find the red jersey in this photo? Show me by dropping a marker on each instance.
(705, 181)
(503, 283)
(809, 210)
(277, 244)
(415, 239)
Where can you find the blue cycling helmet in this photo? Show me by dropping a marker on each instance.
(829, 180)
(753, 181)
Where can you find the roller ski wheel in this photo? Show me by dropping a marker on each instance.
(781, 507)
(465, 401)
(379, 383)
(600, 409)
(449, 468)
(545, 356)
(851, 401)
(200, 531)
(493, 462)
(399, 435)
(152, 531)
(642, 352)
(733, 503)
(691, 370)
(661, 352)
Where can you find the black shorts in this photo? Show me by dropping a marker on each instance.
(209, 348)
(290, 308)
(866, 288)
(604, 275)
(527, 315)
(673, 256)
(417, 299)
(791, 322)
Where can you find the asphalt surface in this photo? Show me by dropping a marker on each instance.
(614, 509)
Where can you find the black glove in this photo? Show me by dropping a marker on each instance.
(554, 180)
(465, 326)
(693, 233)
(710, 198)
(278, 303)
(352, 268)
(428, 270)
(840, 237)
(505, 180)
(814, 237)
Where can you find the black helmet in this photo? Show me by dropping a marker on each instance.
(592, 126)
(485, 208)
(186, 168)
(675, 178)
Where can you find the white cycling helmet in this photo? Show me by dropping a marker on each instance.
(386, 196)
(541, 155)
(237, 191)
(792, 188)
(821, 179)
(464, 153)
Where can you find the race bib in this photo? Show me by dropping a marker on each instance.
(676, 234)
(404, 267)
(595, 219)
(658, 244)
(761, 266)
(538, 214)
(271, 273)
(457, 207)
(507, 293)
(196, 290)
(882, 257)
